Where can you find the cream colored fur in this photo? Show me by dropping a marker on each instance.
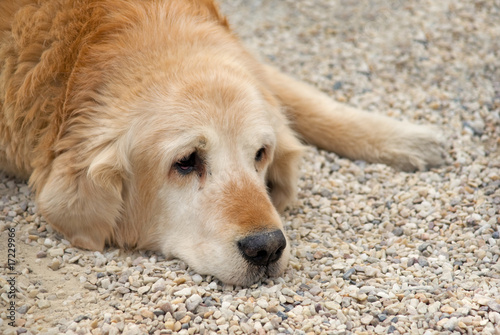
(100, 101)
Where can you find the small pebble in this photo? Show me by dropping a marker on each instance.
(193, 302)
(348, 274)
(366, 319)
(398, 231)
(55, 264)
(42, 304)
(159, 285)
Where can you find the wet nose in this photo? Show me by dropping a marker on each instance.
(263, 248)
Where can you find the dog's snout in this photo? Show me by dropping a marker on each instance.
(263, 248)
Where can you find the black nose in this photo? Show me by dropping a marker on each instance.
(263, 248)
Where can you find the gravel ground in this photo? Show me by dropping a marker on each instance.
(374, 250)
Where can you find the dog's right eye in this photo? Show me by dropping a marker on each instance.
(260, 154)
(187, 165)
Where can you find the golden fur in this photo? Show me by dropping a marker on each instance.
(146, 124)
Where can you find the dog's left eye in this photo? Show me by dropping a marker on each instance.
(260, 154)
(187, 164)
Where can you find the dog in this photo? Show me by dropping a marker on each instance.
(147, 125)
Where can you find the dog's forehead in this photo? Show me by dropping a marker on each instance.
(176, 130)
(220, 140)
(218, 106)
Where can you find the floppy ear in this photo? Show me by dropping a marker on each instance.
(282, 174)
(84, 203)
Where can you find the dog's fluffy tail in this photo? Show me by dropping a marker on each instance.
(353, 133)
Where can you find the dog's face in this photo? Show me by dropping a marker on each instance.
(194, 168)
(215, 141)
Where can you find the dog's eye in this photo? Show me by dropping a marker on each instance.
(187, 164)
(260, 154)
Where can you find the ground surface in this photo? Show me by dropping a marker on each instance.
(374, 250)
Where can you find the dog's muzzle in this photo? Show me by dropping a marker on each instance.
(263, 249)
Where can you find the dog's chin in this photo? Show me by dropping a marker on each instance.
(251, 274)
(248, 274)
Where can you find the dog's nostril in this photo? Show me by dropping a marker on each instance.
(263, 248)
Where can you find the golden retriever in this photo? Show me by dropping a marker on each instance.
(146, 124)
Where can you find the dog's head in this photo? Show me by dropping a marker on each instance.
(210, 163)
(192, 160)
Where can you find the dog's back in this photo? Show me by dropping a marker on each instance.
(40, 44)
(34, 66)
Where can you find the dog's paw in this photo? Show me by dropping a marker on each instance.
(413, 147)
